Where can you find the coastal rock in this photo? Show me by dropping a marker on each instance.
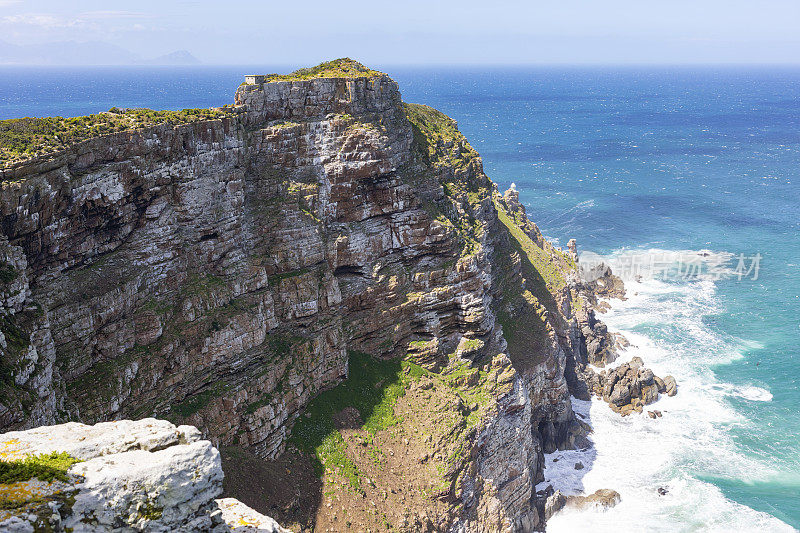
(147, 475)
(670, 386)
(628, 387)
(601, 499)
(554, 504)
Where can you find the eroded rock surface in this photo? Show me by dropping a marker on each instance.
(147, 475)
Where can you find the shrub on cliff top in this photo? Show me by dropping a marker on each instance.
(338, 68)
(46, 467)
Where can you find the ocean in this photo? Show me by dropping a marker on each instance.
(637, 164)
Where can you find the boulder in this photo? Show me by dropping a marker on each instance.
(649, 394)
(670, 386)
(621, 395)
(145, 475)
(601, 499)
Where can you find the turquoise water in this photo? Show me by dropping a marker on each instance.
(678, 159)
(627, 161)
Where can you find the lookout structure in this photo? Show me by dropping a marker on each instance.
(253, 79)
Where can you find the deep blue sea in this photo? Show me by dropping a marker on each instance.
(636, 163)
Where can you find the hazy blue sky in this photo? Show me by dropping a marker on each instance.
(422, 31)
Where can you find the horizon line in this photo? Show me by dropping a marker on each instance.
(424, 65)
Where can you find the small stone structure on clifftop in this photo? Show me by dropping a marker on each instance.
(255, 79)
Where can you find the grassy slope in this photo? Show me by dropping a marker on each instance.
(372, 387)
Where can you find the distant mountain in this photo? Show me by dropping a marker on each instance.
(179, 57)
(86, 53)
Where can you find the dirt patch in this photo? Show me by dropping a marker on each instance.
(347, 418)
(285, 489)
(395, 463)
(406, 481)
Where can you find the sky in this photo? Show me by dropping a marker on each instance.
(416, 32)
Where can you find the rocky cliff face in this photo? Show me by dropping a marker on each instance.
(218, 274)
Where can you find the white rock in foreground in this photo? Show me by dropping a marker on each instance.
(242, 519)
(146, 475)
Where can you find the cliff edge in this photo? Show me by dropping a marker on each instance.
(146, 475)
(322, 279)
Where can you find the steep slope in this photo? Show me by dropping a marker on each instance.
(224, 272)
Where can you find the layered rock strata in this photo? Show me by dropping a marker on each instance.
(218, 273)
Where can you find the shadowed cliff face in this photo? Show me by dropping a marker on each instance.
(217, 273)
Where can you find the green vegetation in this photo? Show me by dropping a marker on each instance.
(550, 271)
(275, 279)
(524, 313)
(7, 272)
(16, 338)
(150, 511)
(22, 138)
(438, 140)
(446, 152)
(469, 384)
(419, 345)
(201, 285)
(46, 467)
(434, 125)
(195, 403)
(471, 345)
(258, 404)
(372, 388)
(338, 68)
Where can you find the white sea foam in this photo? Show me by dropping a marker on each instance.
(748, 392)
(637, 455)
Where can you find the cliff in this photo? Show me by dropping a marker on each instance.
(231, 272)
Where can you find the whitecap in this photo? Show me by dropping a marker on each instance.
(747, 392)
(666, 324)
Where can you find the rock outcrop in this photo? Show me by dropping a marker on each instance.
(147, 475)
(218, 273)
(600, 499)
(628, 387)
